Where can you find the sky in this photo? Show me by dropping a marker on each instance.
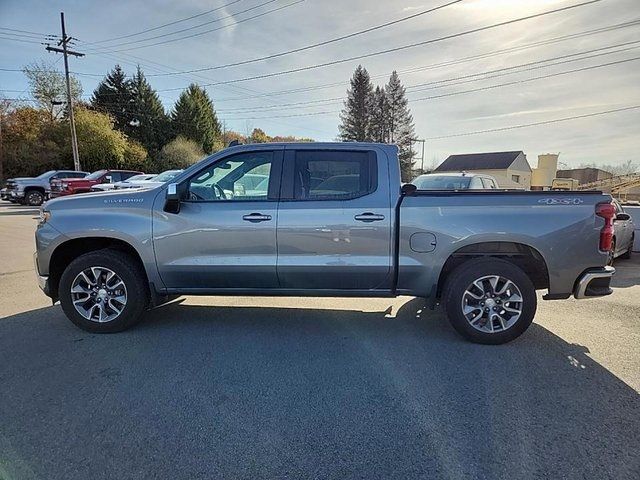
(487, 80)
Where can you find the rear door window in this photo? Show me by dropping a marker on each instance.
(112, 177)
(488, 183)
(333, 175)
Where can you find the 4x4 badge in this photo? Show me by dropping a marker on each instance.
(561, 201)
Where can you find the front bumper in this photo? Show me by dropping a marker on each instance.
(43, 280)
(17, 194)
(5, 194)
(594, 282)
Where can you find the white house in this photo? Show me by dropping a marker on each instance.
(511, 169)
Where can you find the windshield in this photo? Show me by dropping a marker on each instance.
(95, 175)
(46, 174)
(166, 176)
(442, 182)
(135, 178)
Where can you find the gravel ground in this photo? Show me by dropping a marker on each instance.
(313, 388)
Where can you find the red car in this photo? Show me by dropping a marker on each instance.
(61, 188)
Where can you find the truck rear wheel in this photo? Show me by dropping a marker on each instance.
(103, 291)
(489, 300)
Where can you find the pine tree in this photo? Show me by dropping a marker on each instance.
(378, 128)
(356, 114)
(150, 123)
(195, 118)
(400, 123)
(113, 96)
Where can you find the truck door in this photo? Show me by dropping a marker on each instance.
(224, 235)
(334, 220)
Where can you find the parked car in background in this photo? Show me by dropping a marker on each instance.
(32, 190)
(156, 181)
(108, 257)
(455, 181)
(103, 187)
(72, 186)
(623, 234)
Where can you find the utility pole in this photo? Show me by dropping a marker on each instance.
(64, 41)
(422, 157)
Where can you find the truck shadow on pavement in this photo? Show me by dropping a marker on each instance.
(247, 392)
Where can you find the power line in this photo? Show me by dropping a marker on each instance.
(489, 87)
(468, 78)
(534, 124)
(536, 65)
(21, 40)
(526, 80)
(236, 87)
(164, 25)
(461, 92)
(395, 49)
(236, 22)
(450, 62)
(318, 44)
(25, 31)
(25, 35)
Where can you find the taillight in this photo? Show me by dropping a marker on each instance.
(608, 212)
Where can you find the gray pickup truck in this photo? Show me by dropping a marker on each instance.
(32, 190)
(331, 220)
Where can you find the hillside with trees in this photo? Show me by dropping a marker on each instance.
(123, 125)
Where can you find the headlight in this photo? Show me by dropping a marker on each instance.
(44, 217)
(65, 185)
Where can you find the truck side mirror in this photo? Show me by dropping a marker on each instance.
(408, 188)
(172, 199)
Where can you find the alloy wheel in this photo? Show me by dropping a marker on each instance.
(34, 198)
(492, 304)
(99, 294)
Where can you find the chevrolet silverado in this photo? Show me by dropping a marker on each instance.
(331, 219)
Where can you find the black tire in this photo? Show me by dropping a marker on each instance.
(627, 255)
(131, 273)
(33, 198)
(462, 277)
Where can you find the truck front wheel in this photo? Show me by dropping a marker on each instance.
(489, 300)
(103, 291)
(33, 198)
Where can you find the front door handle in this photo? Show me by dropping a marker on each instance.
(256, 217)
(369, 217)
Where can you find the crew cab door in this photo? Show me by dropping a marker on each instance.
(224, 235)
(334, 220)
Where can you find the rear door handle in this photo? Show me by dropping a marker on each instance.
(369, 217)
(256, 217)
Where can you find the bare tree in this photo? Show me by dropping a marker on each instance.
(48, 88)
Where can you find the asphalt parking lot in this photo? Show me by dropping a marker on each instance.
(312, 388)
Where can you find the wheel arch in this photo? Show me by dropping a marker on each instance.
(522, 255)
(71, 249)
